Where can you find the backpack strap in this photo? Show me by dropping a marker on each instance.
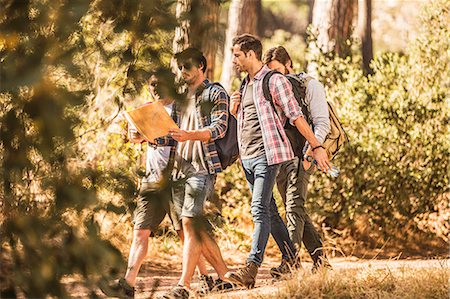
(266, 89)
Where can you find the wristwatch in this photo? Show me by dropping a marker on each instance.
(308, 158)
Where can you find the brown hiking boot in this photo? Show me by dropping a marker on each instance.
(244, 276)
(285, 267)
(321, 264)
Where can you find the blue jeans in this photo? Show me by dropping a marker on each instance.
(261, 180)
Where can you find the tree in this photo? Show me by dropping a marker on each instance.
(198, 26)
(365, 33)
(242, 18)
(58, 58)
(341, 25)
(331, 28)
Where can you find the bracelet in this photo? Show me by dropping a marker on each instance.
(316, 147)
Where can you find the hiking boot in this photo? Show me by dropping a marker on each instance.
(220, 285)
(206, 284)
(121, 289)
(244, 276)
(284, 268)
(177, 292)
(321, 263)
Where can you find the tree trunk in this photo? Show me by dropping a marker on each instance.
(321, 15)
(310, 11)
(342, 15)
(182, 31)
(198, 27)
(365, 33)
(242, 18)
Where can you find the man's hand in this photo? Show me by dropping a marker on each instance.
(179, 135)
(235, 100)
(134, 136)
(320, 155)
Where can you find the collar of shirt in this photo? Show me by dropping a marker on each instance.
(259, 75)
(201, 87)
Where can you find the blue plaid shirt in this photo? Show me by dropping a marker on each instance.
(212, 111)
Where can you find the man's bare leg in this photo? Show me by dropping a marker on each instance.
(191, 252)
(138, 251)
(201, 265)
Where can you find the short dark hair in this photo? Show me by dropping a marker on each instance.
(277, 53)
(193, 54)
(249, 42)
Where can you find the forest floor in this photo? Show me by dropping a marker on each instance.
(158, 276)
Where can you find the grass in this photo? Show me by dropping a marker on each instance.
(401, 282)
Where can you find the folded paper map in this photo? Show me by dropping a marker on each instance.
(151, 120)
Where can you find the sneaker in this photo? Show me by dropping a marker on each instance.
(121, 289)
(244, 276)
(177, 292)
(321, 263)
(284, 268)
(206, 284)
(220, 285)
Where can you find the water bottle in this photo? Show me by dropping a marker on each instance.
(332, 172)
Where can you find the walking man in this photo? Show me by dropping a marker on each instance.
(263, 146)
(154, 198)
(202, 119)
(294, 175)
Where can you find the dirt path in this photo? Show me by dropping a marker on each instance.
(154, 279)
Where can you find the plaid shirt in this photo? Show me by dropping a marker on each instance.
(276, 143)
(212, 102)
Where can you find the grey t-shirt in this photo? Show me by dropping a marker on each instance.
(251, 136)
(190, 155)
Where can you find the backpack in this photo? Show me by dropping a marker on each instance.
(227, 146)
(334, 140)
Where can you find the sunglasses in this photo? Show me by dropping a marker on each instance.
(186, 66)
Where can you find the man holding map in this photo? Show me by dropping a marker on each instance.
(154, 198)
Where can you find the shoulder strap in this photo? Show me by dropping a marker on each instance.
(266, 89)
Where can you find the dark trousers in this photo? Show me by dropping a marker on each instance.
(292, 183)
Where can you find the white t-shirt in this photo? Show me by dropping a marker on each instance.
(157, 158)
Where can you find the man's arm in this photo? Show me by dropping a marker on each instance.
(318, 152)
(283, 95)
(315, 99)
(182, 135)
(134, 136)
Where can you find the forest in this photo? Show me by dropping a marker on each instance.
(69, 174)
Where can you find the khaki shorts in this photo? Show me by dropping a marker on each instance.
(153, 204)
(189, 194)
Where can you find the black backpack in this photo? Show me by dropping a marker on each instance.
(334, 140)
(227, 146)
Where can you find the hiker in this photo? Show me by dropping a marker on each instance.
(263, 146)
(294, 175)
(202, 119)
(154, 198)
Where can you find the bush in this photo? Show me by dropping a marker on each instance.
(395, 167)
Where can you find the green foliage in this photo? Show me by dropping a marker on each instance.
(396, 165)
(68, 69)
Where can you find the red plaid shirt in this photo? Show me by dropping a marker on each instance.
(276, 144)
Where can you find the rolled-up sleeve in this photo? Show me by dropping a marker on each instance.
(219, 114)
(283, 96)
